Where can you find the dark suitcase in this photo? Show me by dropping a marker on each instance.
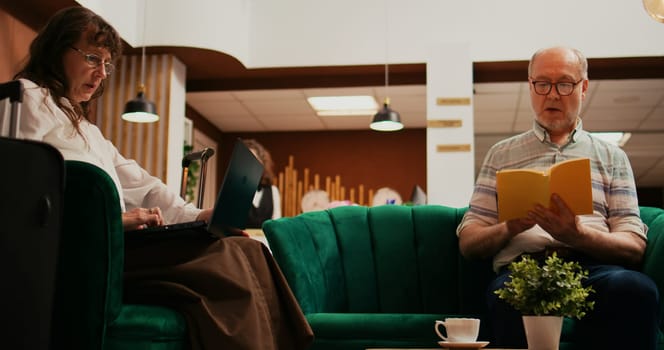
(31, 192)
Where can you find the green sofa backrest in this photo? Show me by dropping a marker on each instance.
(386, 259)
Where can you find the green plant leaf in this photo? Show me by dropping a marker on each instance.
(553, 288)
(192, 175)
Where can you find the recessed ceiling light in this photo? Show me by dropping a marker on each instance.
(343, 105)
(617, 138)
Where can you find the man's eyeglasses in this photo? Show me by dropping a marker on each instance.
(563, 88)
(96, 61)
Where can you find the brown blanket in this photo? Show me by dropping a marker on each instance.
(230, 290)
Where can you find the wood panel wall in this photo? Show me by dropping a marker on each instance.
(360, 159)
(294, 183)
(15, 39)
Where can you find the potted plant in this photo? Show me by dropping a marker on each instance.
(544, 294)
(192, 175)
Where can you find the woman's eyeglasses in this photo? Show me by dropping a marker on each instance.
(96, 61)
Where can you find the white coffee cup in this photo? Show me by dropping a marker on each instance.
(459, 330)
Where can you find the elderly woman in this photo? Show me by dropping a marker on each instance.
(246, 306)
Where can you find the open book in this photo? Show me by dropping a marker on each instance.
(519, 189)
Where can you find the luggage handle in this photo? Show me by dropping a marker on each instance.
(203, 156)
(14, 91)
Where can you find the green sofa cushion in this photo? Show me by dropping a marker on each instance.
(148, 321)
(388, 326)
(147, 327)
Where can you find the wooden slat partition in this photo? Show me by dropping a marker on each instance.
(293, 187)
(144, 143)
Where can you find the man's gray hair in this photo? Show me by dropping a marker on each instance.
(583, 62)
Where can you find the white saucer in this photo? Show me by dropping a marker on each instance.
(462, 345)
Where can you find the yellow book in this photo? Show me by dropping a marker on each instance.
(519, 189)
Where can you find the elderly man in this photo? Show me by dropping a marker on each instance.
(606, 243)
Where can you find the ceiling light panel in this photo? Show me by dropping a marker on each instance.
(343, 105)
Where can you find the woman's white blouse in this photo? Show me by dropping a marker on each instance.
(42, 120)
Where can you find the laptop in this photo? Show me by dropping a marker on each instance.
(231, 209)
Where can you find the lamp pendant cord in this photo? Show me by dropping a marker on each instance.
(143, 42)
(387, 69)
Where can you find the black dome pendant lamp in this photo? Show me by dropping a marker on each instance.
(140, 109)
(386, 119)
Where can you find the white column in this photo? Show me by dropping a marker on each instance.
(450, 141)
(176, 108)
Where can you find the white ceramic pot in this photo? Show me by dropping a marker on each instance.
(543, 332)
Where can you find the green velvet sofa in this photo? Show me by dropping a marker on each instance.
(89, 312)
(380, 276)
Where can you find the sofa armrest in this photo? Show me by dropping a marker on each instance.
(90, 267)
(653, 262)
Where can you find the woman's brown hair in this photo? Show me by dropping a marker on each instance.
(265, 158)
(45, 66)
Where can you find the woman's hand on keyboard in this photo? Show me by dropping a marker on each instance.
(140, 218)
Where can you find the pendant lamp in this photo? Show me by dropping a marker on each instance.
(386, 119)
(655, 9)
(140, 109)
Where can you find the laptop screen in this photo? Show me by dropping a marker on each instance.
(241, 180)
